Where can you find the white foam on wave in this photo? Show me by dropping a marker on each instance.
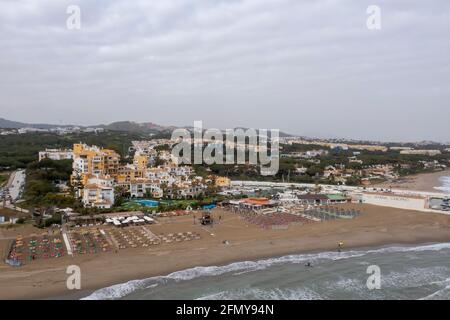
(124, 289)
(445, 184)
(264, 294)
(414, 277)
(441, 293)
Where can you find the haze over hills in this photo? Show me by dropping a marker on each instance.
(129, 126)
(9, 124)
(115, 126)
(150, 127)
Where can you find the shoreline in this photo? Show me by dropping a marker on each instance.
(84, 293)
(428, 181)
(376, 227)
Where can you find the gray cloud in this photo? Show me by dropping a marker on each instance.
(306, 67)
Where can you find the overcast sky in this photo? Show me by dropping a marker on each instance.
(305, 67)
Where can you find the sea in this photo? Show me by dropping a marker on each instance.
(403, 273)
(445, 184)
(420, 272)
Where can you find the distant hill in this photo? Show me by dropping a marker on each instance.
(8, 124)
(130, 126)
(127, 126)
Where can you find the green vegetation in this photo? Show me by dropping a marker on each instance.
(17, 151)
(21, 221)
(402, 164)
(3, 179)
(40, 186)
(47, 222)
(170, 205)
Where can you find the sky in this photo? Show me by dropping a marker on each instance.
(305, 67)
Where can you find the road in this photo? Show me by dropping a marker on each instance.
(15, 184)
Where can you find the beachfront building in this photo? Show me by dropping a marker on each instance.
(185, 190)
(97, 171)
(313, 199)
(128, 173)
(338, 199)
(94, 175)
(56, 154)
(93, 161)
(251, 204)
(98, 196)
(401, 201)
(140, 188)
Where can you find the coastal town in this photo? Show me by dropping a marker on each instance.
(245, 151)
(100, 202)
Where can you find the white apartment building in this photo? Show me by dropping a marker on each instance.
(180, 171)
(98, 196)
(81, 165)
(141, 187)
(55, 154)
(422, 152)
(185, 191)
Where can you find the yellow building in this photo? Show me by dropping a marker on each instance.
(223, 182)
(140, 161)
(93, 161)
(128, 173)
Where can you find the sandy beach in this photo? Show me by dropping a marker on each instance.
(377, 226)
(421, 182)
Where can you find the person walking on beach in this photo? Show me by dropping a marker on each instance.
(340, 245)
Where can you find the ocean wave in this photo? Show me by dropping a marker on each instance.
(414, 277)
(264, 294)
(121, 290)
(445, 184)
(443, 293)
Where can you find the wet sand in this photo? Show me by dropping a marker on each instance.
(377, 226)
(420, 182)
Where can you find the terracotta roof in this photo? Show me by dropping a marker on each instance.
(257, 201)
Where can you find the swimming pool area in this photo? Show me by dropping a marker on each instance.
(147, 203)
